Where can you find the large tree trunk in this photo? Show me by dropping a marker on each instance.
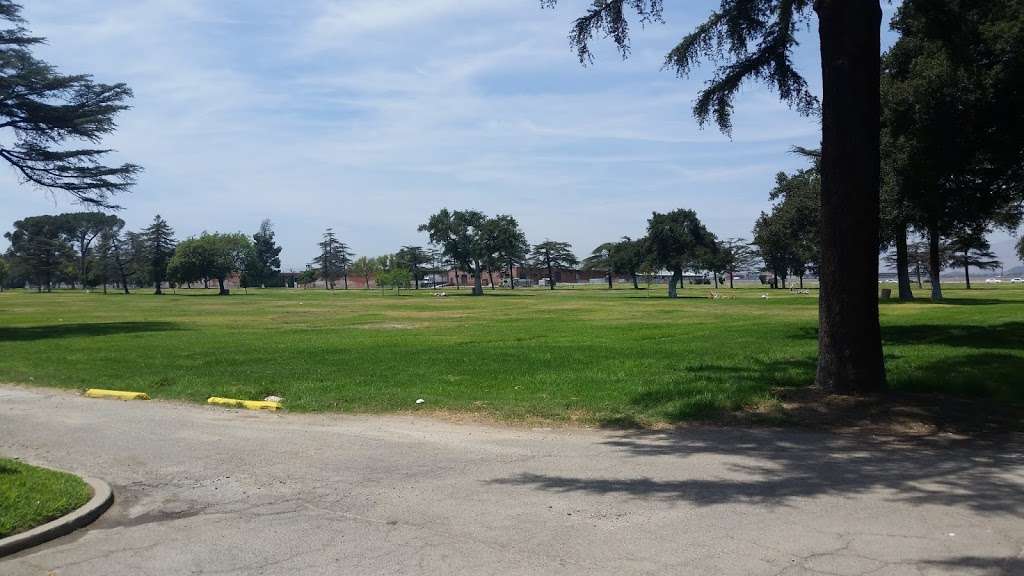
(511, 278)
(849, 335)
(934, 263)
(490, 277)
(478, 284)
(903, 264)
(220, 284)
(610, 287)
(677, 275)
(551, 277)
(636, 284)
(967, 270)
(157, 289)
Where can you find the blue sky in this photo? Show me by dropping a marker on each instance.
(368, 115)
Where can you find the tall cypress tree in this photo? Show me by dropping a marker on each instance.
(158, 240)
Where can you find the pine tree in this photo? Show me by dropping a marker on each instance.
(41, 110)
(266, 264)
(334, 259)
(158, 242)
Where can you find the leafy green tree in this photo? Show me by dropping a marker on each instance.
(970, 248)
(415, 258)
(393, 272)
(193, 261)
(737, 256)
(307, 277)
(80, 230)
(42, 110)
(158, 247)
(264, 269)
(365, 268)
(334, 260)
(507, 243)
(754, 40)
(952, 147)
(677, 241)
(5, 272)
(38, 246)
(552, 255)
(602, 258)
(628, 257)
(461, 234)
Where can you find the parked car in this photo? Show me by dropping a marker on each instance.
(1016, 280)
(993, 280)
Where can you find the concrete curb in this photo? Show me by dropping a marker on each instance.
(102, 498)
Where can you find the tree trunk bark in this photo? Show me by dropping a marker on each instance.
(157, 288)
(610, 287)
(677, 275)
(849, 336)
(934, 263)
(220, 284)
(478, 284)
(801, 277)
(346, 281)
(551, 277)
(967, 271)
(917, 268)
(490, 277)
(636, 284)
(903, 263)
(730, 281)
(511, 278)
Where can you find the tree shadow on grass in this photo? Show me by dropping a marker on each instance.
(1005, 336)
(55, 331)
(774, 468)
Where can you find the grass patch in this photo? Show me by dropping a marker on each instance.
(582, 355)
(30, 496)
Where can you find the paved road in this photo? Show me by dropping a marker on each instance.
(201, 490)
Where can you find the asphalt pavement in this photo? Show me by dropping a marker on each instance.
(204, 490)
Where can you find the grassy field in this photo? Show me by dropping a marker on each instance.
(31, 496)
(587, 355)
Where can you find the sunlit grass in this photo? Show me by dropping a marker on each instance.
(591, 355)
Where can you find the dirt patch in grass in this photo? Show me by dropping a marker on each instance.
(889, 414)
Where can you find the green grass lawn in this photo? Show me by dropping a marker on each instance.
(31, 496)
(588, 355)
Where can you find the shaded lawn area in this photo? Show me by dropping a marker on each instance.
(30, 496)
(588, 355)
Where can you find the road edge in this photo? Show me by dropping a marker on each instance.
(102, 498)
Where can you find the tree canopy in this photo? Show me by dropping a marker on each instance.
(42, 110)
(553, 256)
(676, 241)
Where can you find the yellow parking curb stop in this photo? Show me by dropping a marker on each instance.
(118, 394)
(247, 404)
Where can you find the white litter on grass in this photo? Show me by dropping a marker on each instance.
(273, 399)
(765, 296)
(420, 401)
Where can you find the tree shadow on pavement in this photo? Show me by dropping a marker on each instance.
(981, 566)
(53, 331)
(774, 467)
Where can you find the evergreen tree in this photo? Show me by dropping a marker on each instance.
(553, 256)
(265, 267)
(754, 40)
(970, 248)
(42, 110)
(334, 260)
(158, 246)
